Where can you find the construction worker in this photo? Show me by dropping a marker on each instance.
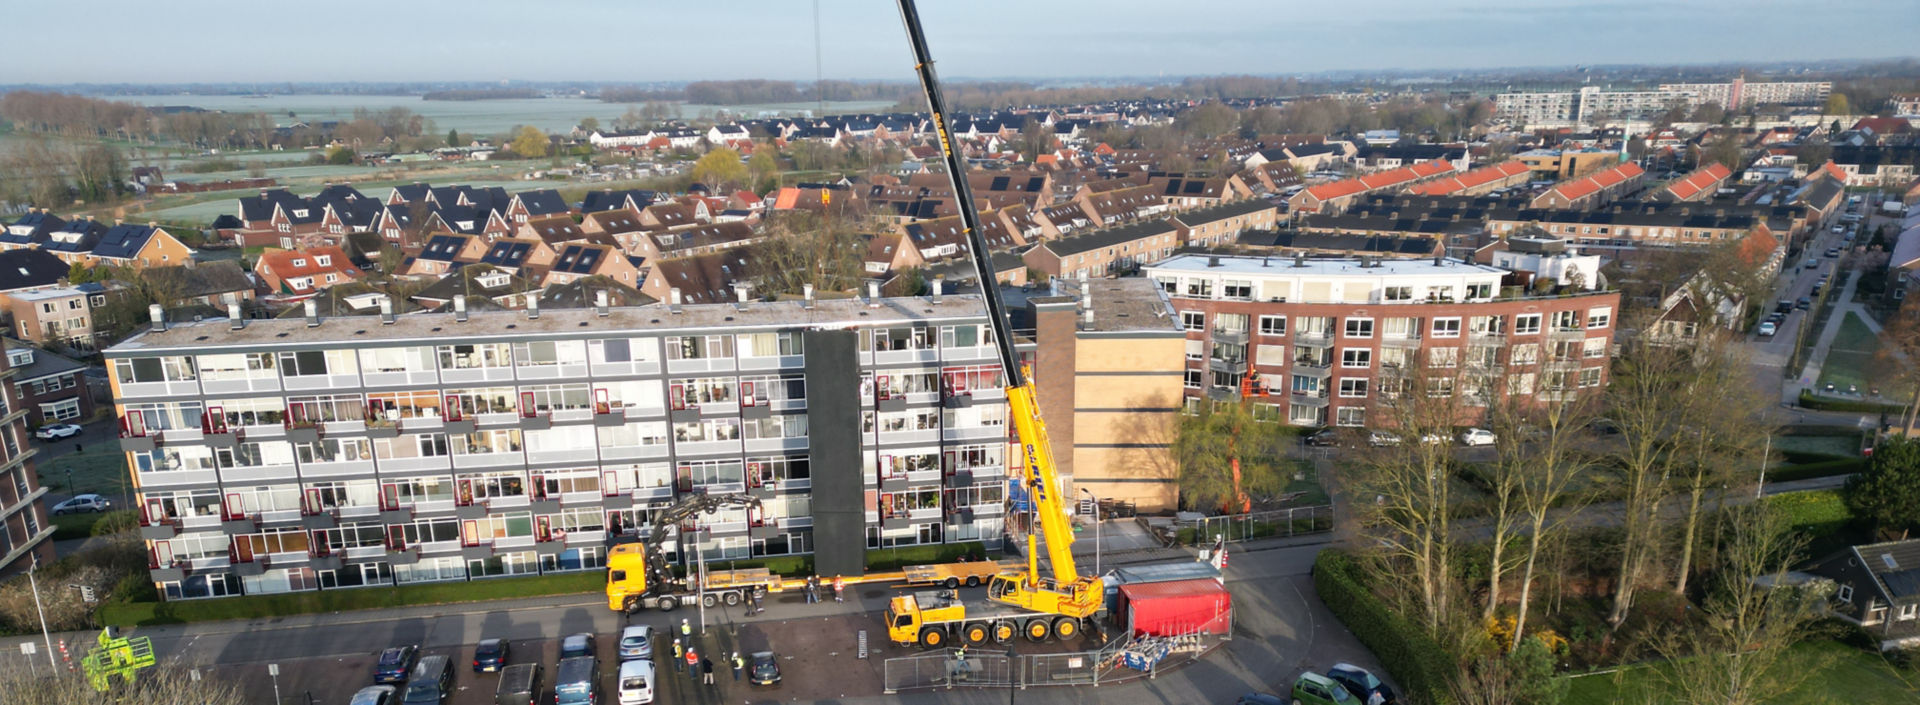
(679, 651)
(686, 630)
(739, 665)
(813, 589)
(839, 589)
(693, 664)
(706, 669)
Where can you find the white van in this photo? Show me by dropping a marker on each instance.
(636, 682)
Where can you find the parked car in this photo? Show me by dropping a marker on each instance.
(394, 663)
(1325, 438)
(490, 655)
(1476, 437)
(83, 503)
(54, 432)
(431, 681)
(1803, 304)
(1382, 439)
(1260, 699)
(1434, 438)
(1362, 684)
(636, 642)
(636, 683)
(373, 695)
(519, 685)
(1316, 689)
(1833, 252)
(764, 669)
(576, 645)
(1767, 328)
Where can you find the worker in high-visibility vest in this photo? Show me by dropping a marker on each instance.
(839, 589)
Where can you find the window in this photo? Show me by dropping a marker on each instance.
(1566, 320)
(1230, 322)
(1270, 354)
(1845, 593)
(1351, 416)
(1356, 357)
(1273, 325)
(1526, 324)
(896, 339)
(1525, 354)
(155, 369)
(1237, 290)
(1594, 347)
(1315, 325)
(1193, 320)
(1443, 358)
(1401, 328)
(1589, 377)
(697, 347)
(1397, 293)
(1359, 328)
(1520, 384)
(771, 344)
(237, 366)
(1479, 291)
(1446, 327)
(1353, 387)
(543, 353)
(1908, 611)
(1193, 379)
(1200, 288)
(1196, 349)
(466, 357)
(1440, 388)
(1599, 317)
(1487, 325)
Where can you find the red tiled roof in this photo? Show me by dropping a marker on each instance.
(1478, 177)
(1699, 180)
(1593, 183)
(1833, 170)
(1380, 180)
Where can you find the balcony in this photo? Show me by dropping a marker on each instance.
(1313, 368)
(1396, 341)
(298, 383)
(974, 433)
(895, 357)
(427, 462)
(259, 473)
(1316, 400)
(1303, 337)
(243, 385)
(931, 435)
(181, 388)
(610, 453)
(1559, 333)
(685, 448)
(400, 378)
(772, 362)
(701, 364)
(467, 375)
(562, 455)
(1229, 337)
(562, 370)
(1227, 365)
(489, 460)
(754, 445)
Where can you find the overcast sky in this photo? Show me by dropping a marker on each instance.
(138, 41)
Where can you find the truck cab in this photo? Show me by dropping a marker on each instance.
(626, 575)
(908, 616)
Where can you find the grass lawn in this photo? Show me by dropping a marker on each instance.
(100, 468)
(1312, 493)
(1844, 675)
(1839, 446)
(1850, 362)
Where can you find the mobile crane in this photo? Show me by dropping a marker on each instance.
(1040, 606)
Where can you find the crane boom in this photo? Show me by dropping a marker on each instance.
(1038, 474)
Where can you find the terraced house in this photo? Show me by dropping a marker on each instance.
(333, 452)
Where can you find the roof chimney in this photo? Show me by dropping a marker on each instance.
(939, 286)
(1439, 259)
(1299, 259)
(234, 321)
(1213, 261)
(533, 307)
(600, 303)
(312, 311)
(460, 308)
(1086, 303)
(873, 294)
(673, 299)
(386, 311)
(806, 294)
(158, 316)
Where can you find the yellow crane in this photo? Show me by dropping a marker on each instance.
(1039, 605)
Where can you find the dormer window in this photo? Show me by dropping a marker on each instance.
(299, 263)
(323, 260)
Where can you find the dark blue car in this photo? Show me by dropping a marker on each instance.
(394, 663)
(490, 656)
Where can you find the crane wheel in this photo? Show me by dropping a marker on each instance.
(973, 581)
(950, 583)
(1004, 631)
(976, 634)
(666, 603)
(733, 598)
(1037, 630)
(933, 637)
(1065, 628)
(709, 601)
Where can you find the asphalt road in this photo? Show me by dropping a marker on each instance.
(1280, 629)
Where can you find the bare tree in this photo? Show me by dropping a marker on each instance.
(160, 685)
(827, 251)
(1643, 398)
(1735, 653)
(1411, 480)
(1720, 432)
(1544, 455)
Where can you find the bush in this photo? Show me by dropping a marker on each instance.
(1827, 468)
(1412, 657)
(896, 558)
(257, 606)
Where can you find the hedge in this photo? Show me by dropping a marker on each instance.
(1413, 658)
(138, 613)
(1819, 403)
(1825, 468)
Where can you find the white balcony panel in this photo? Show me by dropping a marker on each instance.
(240, 386)
(706, 447)
(476, 374)
(335, 469)
(397, 379)
(301, 383)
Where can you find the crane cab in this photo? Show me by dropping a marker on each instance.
(1080, 598)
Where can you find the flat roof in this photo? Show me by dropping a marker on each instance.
(503, 326)
(55, 293)
(1285, 266)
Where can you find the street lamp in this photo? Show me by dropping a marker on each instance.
(1096, 528)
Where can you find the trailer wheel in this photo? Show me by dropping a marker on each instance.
(933, 637)
(973, 581)
(1065, 628)
(950, 583)
(1037, 630)
(733, 598)
(709, 600)
(976, 634)
(666, 603)
(1004, 631)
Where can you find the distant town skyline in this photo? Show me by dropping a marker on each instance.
(593, 40)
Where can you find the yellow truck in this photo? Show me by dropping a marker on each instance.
(935, 619)
(631, 586)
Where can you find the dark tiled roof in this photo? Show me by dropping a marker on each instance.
(542, 202)
(443, 248)
(29, 269)
(1379, 244)
(1223, 211)
(1108, 237)
(123, 241)
(579, 259)
(205, 279)
(507, 253)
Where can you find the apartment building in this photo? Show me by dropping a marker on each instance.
(1740, 94)
(56, 316)
(332, 452)
(52, 388)
(1328, 338)
(25, 534)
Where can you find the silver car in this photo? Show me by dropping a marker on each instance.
(636, 643)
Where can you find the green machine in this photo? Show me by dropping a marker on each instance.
(115, 656)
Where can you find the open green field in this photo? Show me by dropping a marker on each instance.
(487, 117)
(101, 469)
(1841, 674)
(1851, 362)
